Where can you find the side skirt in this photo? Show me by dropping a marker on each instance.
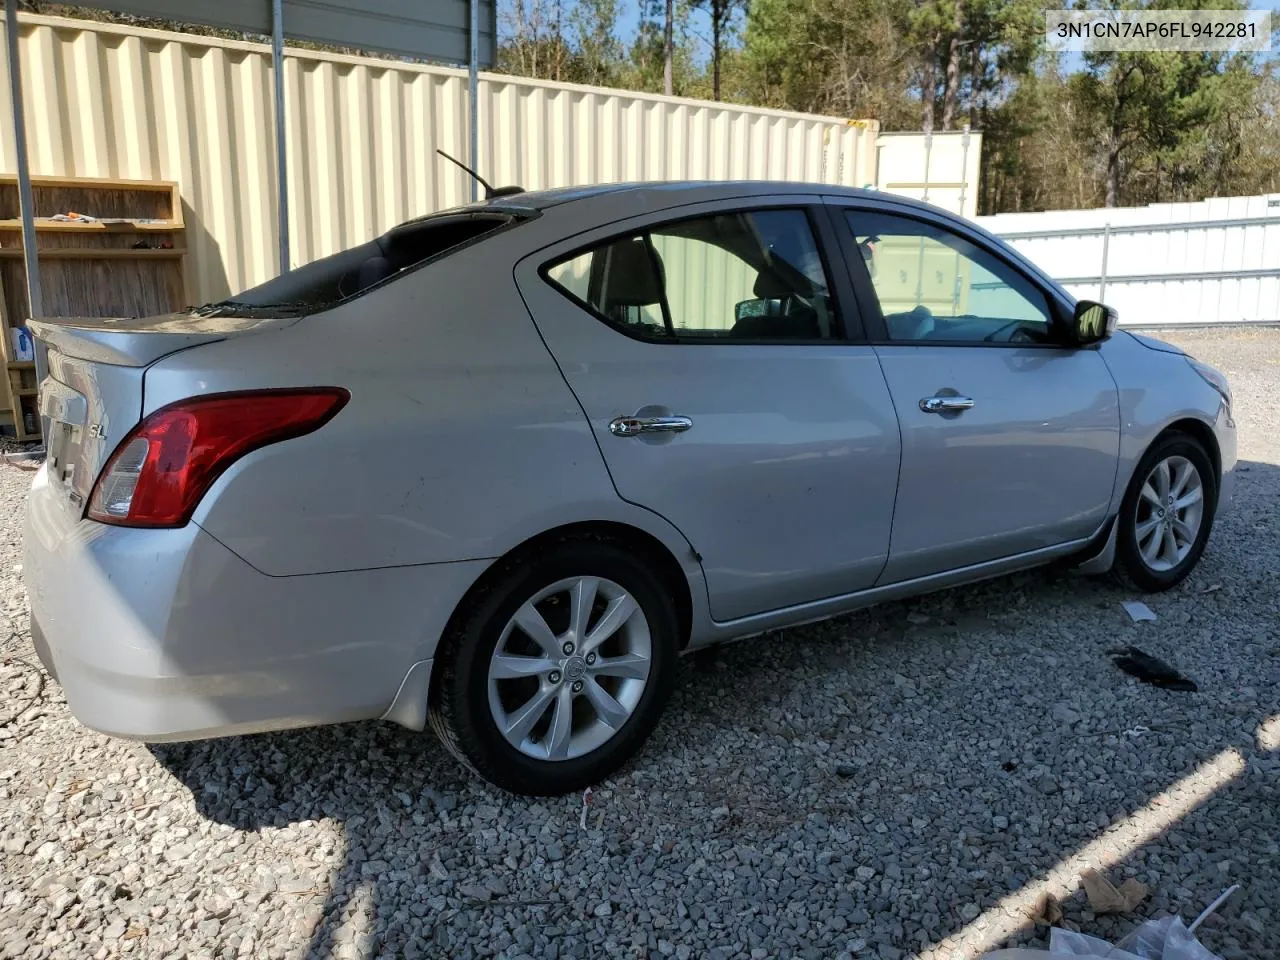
(1092, 551)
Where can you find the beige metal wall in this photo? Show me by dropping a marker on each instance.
(941, 168)
(110, 101)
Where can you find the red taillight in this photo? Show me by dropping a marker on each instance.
(163, 467)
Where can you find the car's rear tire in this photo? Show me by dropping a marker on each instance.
(555, 673)
(1166, 515)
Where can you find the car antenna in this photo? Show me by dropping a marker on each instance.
(490, 192)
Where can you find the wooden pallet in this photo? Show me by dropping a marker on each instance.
(130, 260)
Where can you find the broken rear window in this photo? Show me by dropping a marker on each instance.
(342, 276)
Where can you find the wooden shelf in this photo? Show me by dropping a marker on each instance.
(126, 226)
(90, 268)
(96, 253)
(140, 186)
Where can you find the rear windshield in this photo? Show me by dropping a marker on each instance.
(323, 283)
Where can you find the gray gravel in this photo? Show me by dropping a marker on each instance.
(868, 787)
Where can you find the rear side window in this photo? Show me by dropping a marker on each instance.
(333, 279)
(749, 276)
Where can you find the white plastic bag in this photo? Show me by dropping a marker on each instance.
(1165, 938)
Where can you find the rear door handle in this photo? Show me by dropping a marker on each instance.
(945, 404)
(635, 426)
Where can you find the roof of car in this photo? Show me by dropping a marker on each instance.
(673, 192)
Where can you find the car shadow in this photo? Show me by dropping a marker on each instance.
(433, 857)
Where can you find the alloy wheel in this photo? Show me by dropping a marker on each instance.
(569, 668)
(1169, 513)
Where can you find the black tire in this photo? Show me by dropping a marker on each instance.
(1131, 569)
(459, 708)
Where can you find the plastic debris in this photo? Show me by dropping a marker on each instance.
(1106, 897)
(1208, 911)
(1164, 938)
(1150, 669)
(586, 805)
(1137, 610)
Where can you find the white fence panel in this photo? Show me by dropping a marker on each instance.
(1172, 263)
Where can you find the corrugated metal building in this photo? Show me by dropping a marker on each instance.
(104, 100)
(940, 168)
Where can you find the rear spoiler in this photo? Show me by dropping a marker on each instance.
(93, 339)
(140, 341)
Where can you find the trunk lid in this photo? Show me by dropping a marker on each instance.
(93, 393)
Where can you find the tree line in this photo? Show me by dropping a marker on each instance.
(1113, 129)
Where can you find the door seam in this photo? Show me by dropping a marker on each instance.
(897, 486)
(600, 450)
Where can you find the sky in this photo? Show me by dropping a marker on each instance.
(699, 24)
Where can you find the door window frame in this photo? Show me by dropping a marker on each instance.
(877, 331)
(846, 320)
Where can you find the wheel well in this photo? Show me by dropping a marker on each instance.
(1200, 431)
(629, 538)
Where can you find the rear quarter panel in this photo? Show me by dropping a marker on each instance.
(460, 441)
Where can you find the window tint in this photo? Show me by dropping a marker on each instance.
(620, 282)
(739, 276)
(322, 283)
(574, 275)
(936, 285)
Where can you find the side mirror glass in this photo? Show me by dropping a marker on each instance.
(759, 307)
(1093, 322)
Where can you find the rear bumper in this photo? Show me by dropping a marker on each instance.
(42, 649)
(167, 635)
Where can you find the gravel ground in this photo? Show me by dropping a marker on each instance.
(899, 783)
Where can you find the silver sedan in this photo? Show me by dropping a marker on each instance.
(498, 468)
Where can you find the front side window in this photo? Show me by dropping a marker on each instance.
(735, 276)
(934, 285)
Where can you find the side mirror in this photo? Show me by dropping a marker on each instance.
(1093, 322)
(758, 307)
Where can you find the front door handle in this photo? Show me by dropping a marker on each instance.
(635, 426)
(945, 404)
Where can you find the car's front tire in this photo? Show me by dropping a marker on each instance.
(556, 672)
(1166, 515)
